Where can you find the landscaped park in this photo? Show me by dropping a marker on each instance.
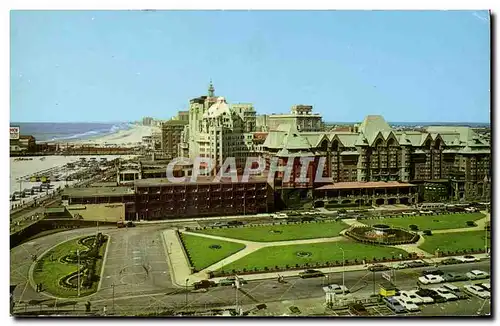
(57, 270)
(300, 245)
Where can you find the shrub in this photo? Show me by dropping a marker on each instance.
(266, 268)
(427, 232)
(413, 227)
(471, 223)
(244, 270)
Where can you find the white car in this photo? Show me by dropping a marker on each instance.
(467, 259)
(410, 295)
(408, 304)
(477, 274)
(443, 292)
(478, 291)
(335, 288)
(422, 298)
(400, 266)
(430, 279)
(486, 286)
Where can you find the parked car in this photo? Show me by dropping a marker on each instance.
(410, 295)
(468, 259)
(477, 291)
(477, 274)
(450, 261)
(430, 279)
(417, 263)
(486, 286)
(456, 291)
(445, 294)
(393, 304)
(423, 298)
(219, 224)
(432, 272)
(454, 277)
(309, 273)
(400, 265)
(432, 294)
(378, 268)
(408, 304)
(358, 309)
(130, 224)
(230, 281)
(204, 284)
(335, 288)
(307, 219)
(234, 223)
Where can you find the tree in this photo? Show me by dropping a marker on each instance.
(413, 227)
(427, 232)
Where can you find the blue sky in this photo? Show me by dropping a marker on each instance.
(122, 65)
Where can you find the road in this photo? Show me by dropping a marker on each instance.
(136, 263)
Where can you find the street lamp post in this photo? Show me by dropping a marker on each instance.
(187, 280)
(343, 270)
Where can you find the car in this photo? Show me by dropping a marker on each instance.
(454, 277)
(219, 224)
(430, 279)
(307, 219)
(408, 304)
(417, 263)
(204, 284)
(335, 288)
(130, 224)
(450, 261)
(468, 259)
(445, 294)
(393, 304)
(422, 298)
(431, 294)
(230, 281)
(477, 291)
(410, 295)
(486, 286)
(477, 274)
(309, 273)
(456, 291)
(234, 223)
(358, 309)
(378, 268)
(400, 265)
(432, 272)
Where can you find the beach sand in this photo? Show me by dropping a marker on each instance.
(130, 137)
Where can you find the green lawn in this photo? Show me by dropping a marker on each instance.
(202, 255)
(432, 222)
(52, 271)
(321, 253)
(282, 232)
(454, 241)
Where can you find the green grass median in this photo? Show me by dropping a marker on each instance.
(283, 232)
(455, 241)
(431, 222)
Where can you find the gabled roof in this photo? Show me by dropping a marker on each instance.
(372, 125)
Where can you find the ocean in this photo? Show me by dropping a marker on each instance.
(61, 131)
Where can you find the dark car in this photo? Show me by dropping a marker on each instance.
(432, 294)
(450, 261)
(234, 223)
(432, 272)
(230, 281)
(454, 277)
(204, 284)
(306, 219)
(394, 304)
(130, 224)
(378, 268)
(310, 273)
(416, 263)
(358, 309)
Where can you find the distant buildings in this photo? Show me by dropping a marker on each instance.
(147, 121)
(171, 133)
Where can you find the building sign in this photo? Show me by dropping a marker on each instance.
(14, 133)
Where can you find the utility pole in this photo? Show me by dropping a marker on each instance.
(78, 271)
(113, 307)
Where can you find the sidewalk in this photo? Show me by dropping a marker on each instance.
(179, 266)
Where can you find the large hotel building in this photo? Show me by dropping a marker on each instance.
(368, 164)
